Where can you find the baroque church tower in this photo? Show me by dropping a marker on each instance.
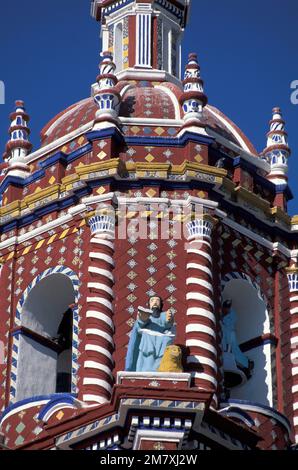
(149, 270)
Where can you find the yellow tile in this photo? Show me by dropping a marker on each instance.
(151, 193)
(37, 190)
(52, 180)
(199, 158)
(135, 129)
(159, 131)
(51, 239)
(81, 140)
(39, 244)
(63, 234)
(64, 149)
(101, 155)
(60, 415)
(101, 190)
(149, 158)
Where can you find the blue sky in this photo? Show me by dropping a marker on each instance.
(248, 52)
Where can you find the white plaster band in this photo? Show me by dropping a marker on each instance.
(95, 398)
(100, 286)
(198, 343)
(102, 334)
(199, 282)
(203, 376)
(100, 350)
(101, 272)
(201, 312)
(199, 267)
(195, 328)
(200, 297)
(98, 382)
(98, 366)
(100, 300)
(201, 253)
(294, 298)
(202, 360)
(101, 316)
(102, 257)
(200, 242)
(293, 310)
(103, 241)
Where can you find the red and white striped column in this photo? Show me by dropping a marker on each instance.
(293, 288)
(98, 377)
(201, 321)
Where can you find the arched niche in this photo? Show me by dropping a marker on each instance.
(118, 48)
(252, 324)
(42, 366)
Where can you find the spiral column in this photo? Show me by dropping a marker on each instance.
(293, 288)
(98, 377)
(201, 330)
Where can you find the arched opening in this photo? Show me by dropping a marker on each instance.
(45, 338)
(252, 323)
(118, 52)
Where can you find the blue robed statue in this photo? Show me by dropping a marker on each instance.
(229, 338)
(151, 334)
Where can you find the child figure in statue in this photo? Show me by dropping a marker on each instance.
(151, 334)
(229, 340)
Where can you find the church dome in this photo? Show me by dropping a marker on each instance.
(143, 100)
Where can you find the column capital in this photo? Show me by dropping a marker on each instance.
(292, 273)
(101, 224)
(201, 226)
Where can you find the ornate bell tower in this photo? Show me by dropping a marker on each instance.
(155, 33)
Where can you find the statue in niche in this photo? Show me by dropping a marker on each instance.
(229, 340)
(150, 336)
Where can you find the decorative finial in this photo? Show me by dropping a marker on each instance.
(277, 151)
(18, 147)
(105, 94)
(193, 100)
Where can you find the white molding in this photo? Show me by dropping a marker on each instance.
(257, 409)
(199, 267)
(102, 334)
(95, 398)
(100, 286)
(200, 252)
(198, 328)
(102, 301)
(98, 366)
(199, 282)
(195, 359)
(201, 312)
(23, 407)
(101, 256)
(198, 343)
(100, 350)
(101, 272)
(200, 297)
(167, 376)
(203, 376)
(100, 316)
(98, 382)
